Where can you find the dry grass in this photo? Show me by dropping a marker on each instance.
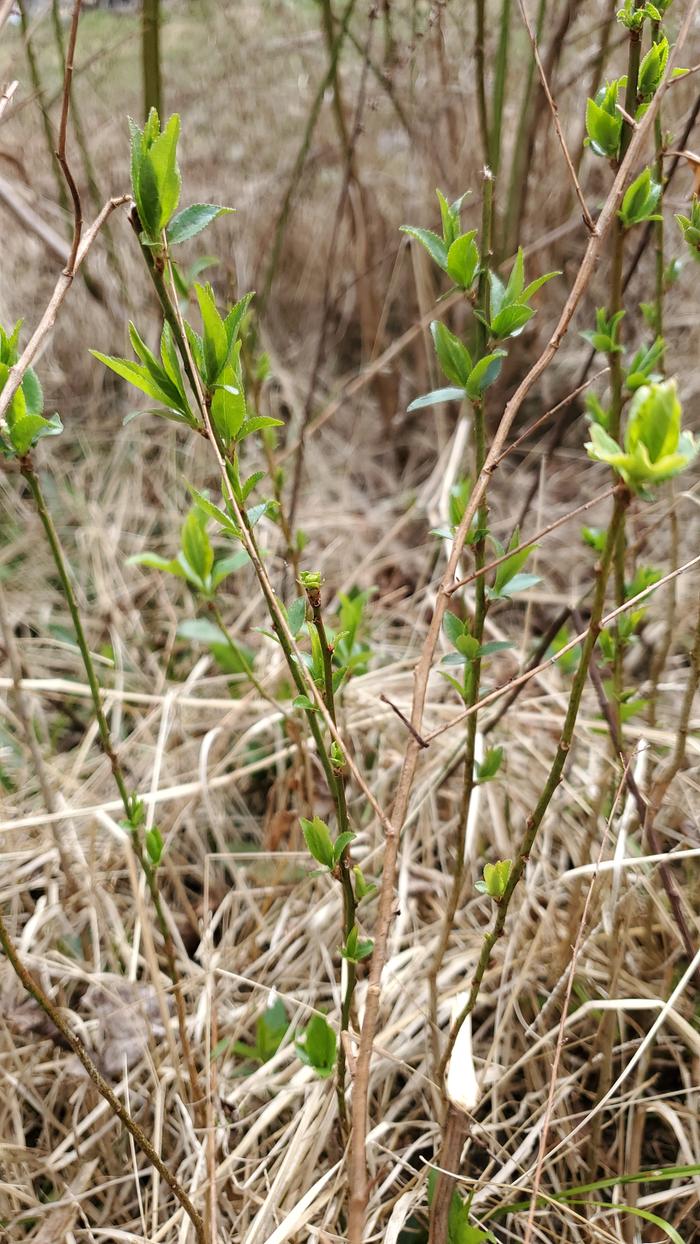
(224, 774)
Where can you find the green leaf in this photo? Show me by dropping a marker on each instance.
(603, 129)
(654, 420)
(28, 429)
(436, 397)
(434, 245)
(496, 877)
(355, 949)
(494, 645)
(270, 1030)
(493, 758)
(516, 280)
(171, 365)
(228, 406)
(342, 841)
(519, 583)
(171, 389)
(363, 889)
(215, 339)
(162, 156)
(497, 293)
(296, 614)
(154, 845)
(135, 374)
(303, 701)
(453, 356)
(202, 631)
(453, 627)
(33, 394)
(255, 423)
(250, 483)
(652, 68)
(463, 260)
(192, 220)
(531, 289)
(155, 562)
(233, 320)
(514, 563)
(485, 373)
(317, 1046)
(511, 320)
(657, 1174)
(213, 511)
(450, 219)
(458, 686)
(196, 544)
(224, 566)
(674, 1236)
(256, 512)
(640, 201)
(468, 646)
(318, 840)
(148, 199)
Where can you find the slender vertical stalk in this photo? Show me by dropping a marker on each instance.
(334, 780)
(519, 155)
(617, 401)
(38, 87)
(499, 88)
(300, 161)
(108, 748)
(150, 57)
(84, 147)
(659, 264)
(516, 209)
(349, 903)
(454, 1130)
(480, 63)
(473, 669)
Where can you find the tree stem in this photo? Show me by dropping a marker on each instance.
(445, 1183)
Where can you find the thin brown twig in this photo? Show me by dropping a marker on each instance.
(588, 220)
(358, 1168)
(565, 401)
(48, 319)
(642, 806)
(402, 717)
(544, 1134)
(63, 136)
(520, 679)
(349, 175)
(539, 535)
